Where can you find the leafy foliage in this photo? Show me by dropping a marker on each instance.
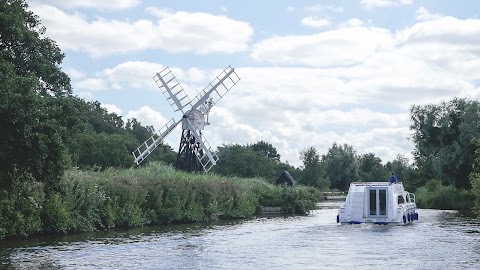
(444, 139)
(267, 150)
(34, 117)
(313, 173)
(436, 195)
(370, 168)
(243, 161)
(341, 166)
(404, 172)
(154, 194)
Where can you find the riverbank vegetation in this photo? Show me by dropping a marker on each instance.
(155, 194)
(66, 164)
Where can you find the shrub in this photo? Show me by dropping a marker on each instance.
(437, 196)
(156, 194)
(20, 209)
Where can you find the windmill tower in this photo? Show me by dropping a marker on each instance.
(194, 153)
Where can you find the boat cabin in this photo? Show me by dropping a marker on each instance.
(379, 203)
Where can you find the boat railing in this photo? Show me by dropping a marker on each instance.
(412, 197)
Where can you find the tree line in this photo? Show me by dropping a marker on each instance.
(45, 129)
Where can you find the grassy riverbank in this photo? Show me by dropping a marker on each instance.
(156, 194)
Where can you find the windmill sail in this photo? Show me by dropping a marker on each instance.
(156, 139)
(217, 88)
(171, 88)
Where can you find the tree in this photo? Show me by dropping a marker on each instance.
(341, 166)
(104, 150)
(313, 173)
(141, 133)
(267, 150)
(444, 137)
(242, 161)
(33, 124)
(370, 168)
(475, 177)
(404, 171)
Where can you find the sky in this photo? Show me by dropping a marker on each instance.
(313, 73)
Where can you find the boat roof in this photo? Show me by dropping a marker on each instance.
(394, 187)
(375, 183)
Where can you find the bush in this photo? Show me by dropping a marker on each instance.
(156, 194)
(437, 196)
(475, 181)
(20, 209)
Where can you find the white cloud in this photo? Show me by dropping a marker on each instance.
(91, 84)
(112, 108)
(73, 73)
(102, 5)
(343, 46)
(422, 14)
(446, 30)
(84, 94)
(354, 22)
(385, 3)
(199, 33)
(314, 22)
(148, 117)
(132, 74)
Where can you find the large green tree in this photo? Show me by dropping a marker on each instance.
(267, 150)
(35, 115)
(313, 173)
(243, 161)
(444, 139)
(341, 166)
(370, 168)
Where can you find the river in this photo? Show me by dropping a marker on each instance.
(439, 240)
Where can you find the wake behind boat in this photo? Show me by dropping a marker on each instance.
(378, 203)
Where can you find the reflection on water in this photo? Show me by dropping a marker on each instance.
(439, 240)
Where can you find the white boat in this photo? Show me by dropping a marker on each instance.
(378, 203)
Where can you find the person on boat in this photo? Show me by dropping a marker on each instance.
(392, 179)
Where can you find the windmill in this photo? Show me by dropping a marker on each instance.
(194, 153)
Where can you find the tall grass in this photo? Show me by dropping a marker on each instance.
(156, 194)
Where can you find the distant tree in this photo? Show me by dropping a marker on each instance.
(475, 177)
(140, 132)
(444, 135)
(370, 168)
(404, 172)
(242, 161)
(341, 166)
(104, 150)
(267, 150)
(313, 173)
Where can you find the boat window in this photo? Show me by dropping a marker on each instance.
(401, 199)
(383, 201)
(373, 201)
